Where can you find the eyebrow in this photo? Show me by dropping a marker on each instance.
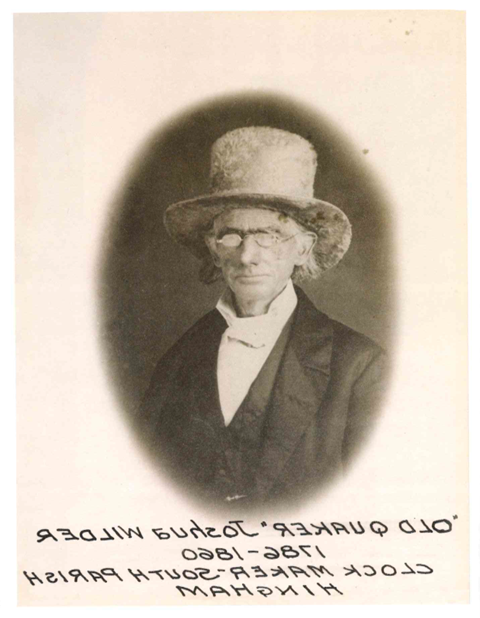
(234, 230)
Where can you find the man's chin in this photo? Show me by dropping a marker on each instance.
(255, 288)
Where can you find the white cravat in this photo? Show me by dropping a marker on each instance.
(246, 345)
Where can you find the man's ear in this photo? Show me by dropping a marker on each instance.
(212, 247)
(306, 243)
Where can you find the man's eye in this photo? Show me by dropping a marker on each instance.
(266, 239)
(230, 240)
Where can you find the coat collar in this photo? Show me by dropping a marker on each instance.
(299, 390)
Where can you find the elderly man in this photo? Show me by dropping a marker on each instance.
(265, 398)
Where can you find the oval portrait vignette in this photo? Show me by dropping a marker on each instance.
(247, 295)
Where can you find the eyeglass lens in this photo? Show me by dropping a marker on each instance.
(262, 239)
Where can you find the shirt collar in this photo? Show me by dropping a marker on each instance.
(262, 327)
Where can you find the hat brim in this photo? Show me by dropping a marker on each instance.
(188, 221)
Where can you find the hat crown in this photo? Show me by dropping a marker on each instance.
(263, 160)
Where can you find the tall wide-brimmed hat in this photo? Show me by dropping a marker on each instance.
(262, 167)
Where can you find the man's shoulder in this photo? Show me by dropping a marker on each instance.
(188, 350)
(348, 337)
(351, 356)
(209, 326)
(345, 340)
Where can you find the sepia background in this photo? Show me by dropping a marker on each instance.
(114, 117)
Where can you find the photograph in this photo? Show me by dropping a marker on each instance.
(241, 308)
(264, 398)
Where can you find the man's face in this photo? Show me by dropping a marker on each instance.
(252, 272)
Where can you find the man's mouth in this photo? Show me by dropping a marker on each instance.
(251, 277)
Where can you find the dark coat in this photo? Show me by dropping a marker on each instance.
(321, 405)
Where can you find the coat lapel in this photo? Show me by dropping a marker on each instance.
(300, 387)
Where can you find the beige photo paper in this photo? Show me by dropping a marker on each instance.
(241, 289)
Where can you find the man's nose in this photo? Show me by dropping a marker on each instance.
(249, 251)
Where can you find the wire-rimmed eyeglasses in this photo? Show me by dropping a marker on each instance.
(266, 240)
